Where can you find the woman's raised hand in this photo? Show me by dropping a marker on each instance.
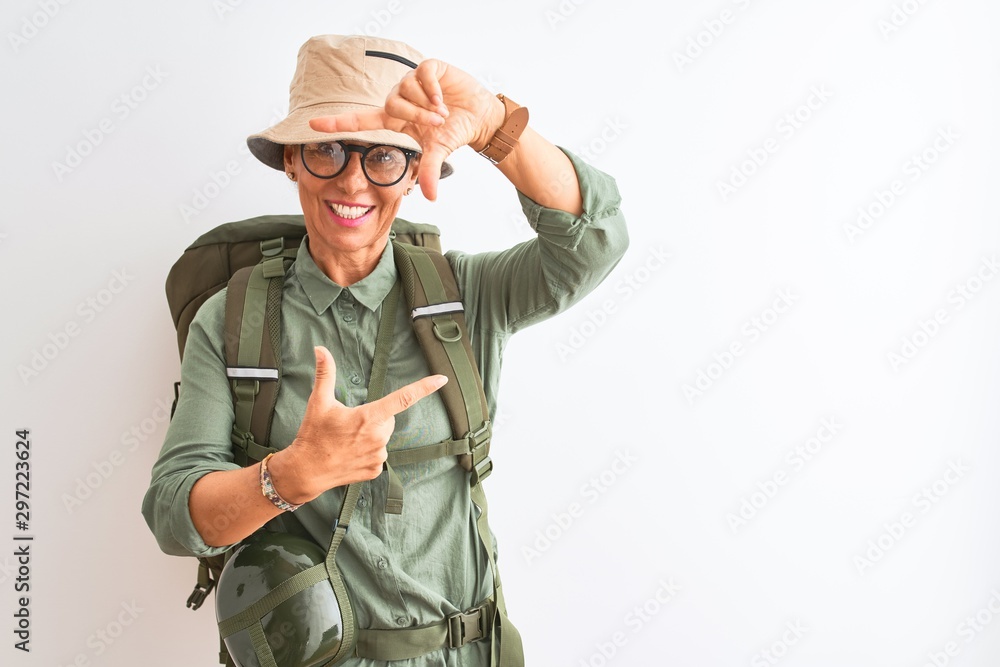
(339, 445)
(440, 106)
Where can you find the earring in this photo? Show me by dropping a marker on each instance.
(290, 175)
(408, 190)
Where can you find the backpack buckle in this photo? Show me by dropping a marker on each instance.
(199, 594)
(466, 627)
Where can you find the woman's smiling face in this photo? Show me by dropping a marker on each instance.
(348, 218)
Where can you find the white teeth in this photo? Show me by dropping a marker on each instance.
(350, 212)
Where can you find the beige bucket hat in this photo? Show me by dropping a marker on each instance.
(334, 74)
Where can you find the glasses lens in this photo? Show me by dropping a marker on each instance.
(385, 164)
(324, 159)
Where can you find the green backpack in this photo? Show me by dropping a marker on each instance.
(251, 258)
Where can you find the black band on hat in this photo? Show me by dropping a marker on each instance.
(392, 56)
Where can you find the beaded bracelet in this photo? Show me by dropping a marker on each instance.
(267, 488)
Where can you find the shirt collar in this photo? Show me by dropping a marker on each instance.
(370, 291)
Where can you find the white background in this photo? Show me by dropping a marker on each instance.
(603, 382)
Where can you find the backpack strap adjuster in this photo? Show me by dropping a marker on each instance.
(479, 451)
(246, 390)
(479, 441)
(246, 451)
(481, 470)
(272, 247)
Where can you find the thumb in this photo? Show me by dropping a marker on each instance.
(326, 373)
(429, 170)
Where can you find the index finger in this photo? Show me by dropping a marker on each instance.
(428, 73)
(404, 397)
(357, 121)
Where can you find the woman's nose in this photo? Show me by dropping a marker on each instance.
(353, 178)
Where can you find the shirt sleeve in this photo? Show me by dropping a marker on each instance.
(198, 438)
(508, 290)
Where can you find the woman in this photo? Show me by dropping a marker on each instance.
(363, 95)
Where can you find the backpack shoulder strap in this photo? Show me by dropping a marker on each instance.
(438, 319)
(416, 234)
(253, 348)
(252, 341)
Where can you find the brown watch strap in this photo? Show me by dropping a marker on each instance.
(505, 139)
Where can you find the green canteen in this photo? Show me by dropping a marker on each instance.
(261, 610)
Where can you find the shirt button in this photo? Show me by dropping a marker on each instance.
(355, 379)
(362, 501)
(401, 621)
(348, 318)
(382, 563)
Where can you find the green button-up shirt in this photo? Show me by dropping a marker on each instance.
(427, 563)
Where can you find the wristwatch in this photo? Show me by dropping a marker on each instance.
(503, 142)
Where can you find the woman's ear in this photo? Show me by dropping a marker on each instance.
(289, 159)
(415, 167)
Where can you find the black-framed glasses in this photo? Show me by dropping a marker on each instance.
(382, 165)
